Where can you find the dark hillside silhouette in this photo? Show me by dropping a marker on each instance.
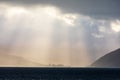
(110, 60)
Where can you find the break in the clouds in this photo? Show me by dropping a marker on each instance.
(72, 33)
(95, 8)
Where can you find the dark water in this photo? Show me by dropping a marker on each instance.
(59, 74)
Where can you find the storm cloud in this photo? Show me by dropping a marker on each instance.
(94, 8)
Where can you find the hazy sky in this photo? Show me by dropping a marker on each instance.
(68, 32)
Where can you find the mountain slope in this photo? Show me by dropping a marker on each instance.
(15, 61)
(110, 60)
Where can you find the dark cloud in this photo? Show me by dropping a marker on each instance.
(94, 8)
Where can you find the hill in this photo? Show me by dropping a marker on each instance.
(7, 60)
(110, 60)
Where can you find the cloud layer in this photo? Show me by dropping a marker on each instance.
(95, 8)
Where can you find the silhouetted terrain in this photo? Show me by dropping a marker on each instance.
(7, 60)
(110, 60)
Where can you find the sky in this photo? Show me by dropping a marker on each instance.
(69, 32)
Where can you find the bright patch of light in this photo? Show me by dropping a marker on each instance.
(52, 11)
(34, 27)
(70, 19)
(115, 26)
(16, 11)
